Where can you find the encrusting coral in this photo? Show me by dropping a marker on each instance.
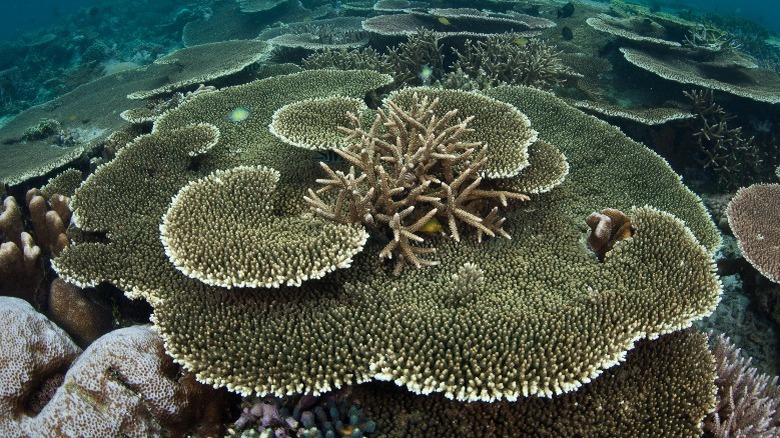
(34, 356)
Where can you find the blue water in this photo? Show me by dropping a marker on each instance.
(19, 17)
(764, 12)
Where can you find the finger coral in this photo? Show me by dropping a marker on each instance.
(20, 256)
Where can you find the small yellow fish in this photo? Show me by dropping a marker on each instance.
(239, 114)
(521, 41)
(432, 226)
(444, 21)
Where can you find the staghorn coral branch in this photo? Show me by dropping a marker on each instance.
(411, 160)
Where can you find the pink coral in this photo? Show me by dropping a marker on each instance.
(33, 352)
(122, 385)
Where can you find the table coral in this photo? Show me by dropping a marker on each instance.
(548, 317)
(244, 243)
(753, 214)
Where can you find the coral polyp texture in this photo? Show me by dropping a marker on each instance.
(494, 320)
(123, 384)
(670, 378)
(314, 123)
(753, 214)
(420, 161)
(222, 230)
(35, 354)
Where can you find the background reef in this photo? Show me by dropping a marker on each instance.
(390, 218)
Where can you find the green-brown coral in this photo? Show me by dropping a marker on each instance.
(512, 59)
(223, 231)
(663, 389)
(418, 161)
(537, 314)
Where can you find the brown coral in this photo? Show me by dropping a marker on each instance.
(49, 220)
(71, 308)
(753, 214)
(20, 257)
(607, 227)
(414, 167)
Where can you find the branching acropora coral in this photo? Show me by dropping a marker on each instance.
(731, 155)
(513, 59)
(413, 169)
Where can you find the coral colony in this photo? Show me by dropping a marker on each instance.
(283, 218)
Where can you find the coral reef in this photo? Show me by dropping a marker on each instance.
(87, 116)
(244, 244)
(270, 221)
(543, 288)
(747, 402)
(753, 215)
(511, 59)
(733, 158)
